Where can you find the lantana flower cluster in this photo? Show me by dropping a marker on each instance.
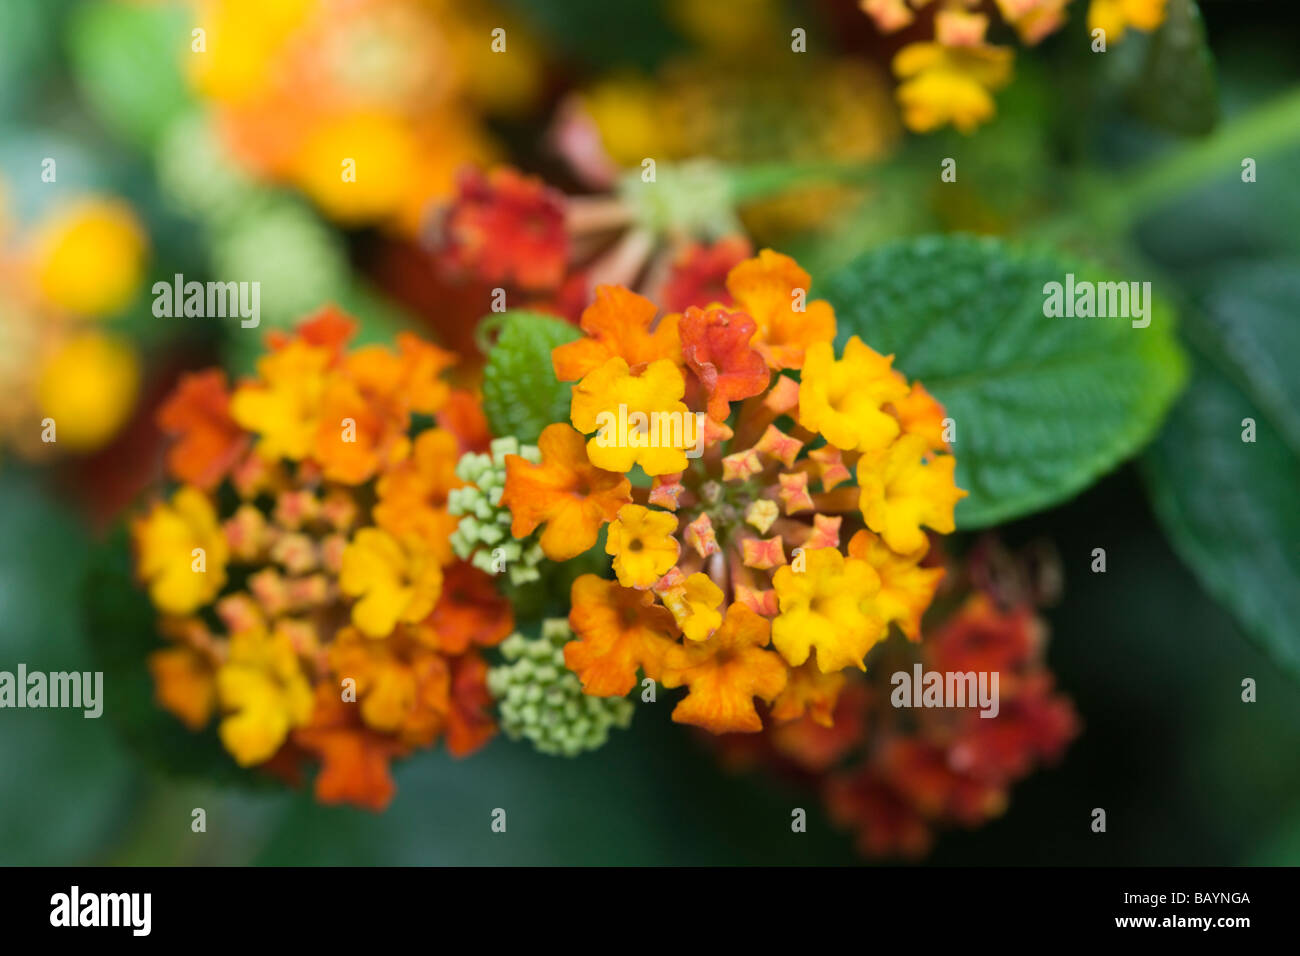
(511, 231)
(952, 77)
(303, 569)
(896, 776)
(951, 766)
(777, 558)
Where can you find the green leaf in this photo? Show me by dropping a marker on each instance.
(1229, 505)
(1229, 508)
(67, 780)
(520, 393)
(127, 61)
(1250, 314)
(1043, 405)
(1176, 87)
(123, 631)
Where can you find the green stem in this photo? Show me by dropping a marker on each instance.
(1110, 209)
(765, 180)
(1107, 208)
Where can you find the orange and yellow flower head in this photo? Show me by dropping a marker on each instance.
(368, 108)
(764, 531)
(302, 567)
(950, 79)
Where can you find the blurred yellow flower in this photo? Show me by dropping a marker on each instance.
(627, 110)
(728, 29)
(242, 42)
(89, 257)
(944, 85)
(395, 583)
(182, 552)
(749, 109)
(1116, 16)
(263, 684)
(285, 410)
(88, 385)
(358, 166)
(506, 83)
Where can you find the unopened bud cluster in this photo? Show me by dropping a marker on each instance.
(542, 700)
(483, 535)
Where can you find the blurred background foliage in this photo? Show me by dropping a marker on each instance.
(1131, 161)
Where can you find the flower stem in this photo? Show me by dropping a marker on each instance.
(1109, 209)
(764, 180)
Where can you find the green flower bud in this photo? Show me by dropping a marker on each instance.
(483, 535)
(541, 700)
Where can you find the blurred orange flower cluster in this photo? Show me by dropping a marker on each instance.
(780, 531)
(368, 107)
(302, 567)
(896, 776)
(952, 766)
